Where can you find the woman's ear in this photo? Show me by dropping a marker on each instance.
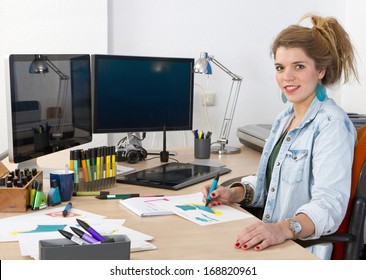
(322, 73)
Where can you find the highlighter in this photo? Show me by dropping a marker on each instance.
(213, 187)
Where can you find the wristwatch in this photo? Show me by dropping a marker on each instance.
(296, 228)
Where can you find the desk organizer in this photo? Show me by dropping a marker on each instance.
(18, 199)
(64, 249)
(94, 168)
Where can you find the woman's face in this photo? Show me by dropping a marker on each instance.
(296, 75)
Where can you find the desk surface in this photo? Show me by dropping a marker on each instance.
(175, 237)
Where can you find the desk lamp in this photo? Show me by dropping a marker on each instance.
(40, 65)
(202, 66)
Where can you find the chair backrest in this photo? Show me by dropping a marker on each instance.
(358, 189)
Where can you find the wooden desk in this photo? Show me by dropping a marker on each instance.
(175, 237)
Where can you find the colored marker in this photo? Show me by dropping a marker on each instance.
(73, 237)
(213, 187)
(67, 209)
(84, 235)
(89, 229)
(117, 196)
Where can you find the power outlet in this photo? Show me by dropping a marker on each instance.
(208, 99)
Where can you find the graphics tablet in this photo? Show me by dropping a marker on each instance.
(173, 176)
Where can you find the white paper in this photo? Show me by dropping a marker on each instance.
(192, 208)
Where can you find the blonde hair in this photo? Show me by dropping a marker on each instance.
(327, 43)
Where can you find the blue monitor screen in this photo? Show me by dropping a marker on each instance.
(138, 94)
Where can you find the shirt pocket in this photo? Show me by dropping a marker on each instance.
(293, 166)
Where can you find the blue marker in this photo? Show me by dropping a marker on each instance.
(213, 187)
(67, 209)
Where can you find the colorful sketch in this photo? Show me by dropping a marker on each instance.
(192, 208)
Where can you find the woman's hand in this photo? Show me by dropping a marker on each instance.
(261, 235)
(222, 195)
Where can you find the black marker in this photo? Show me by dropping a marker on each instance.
(73, 238)
(89, 229)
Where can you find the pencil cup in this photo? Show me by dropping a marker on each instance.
(65, 181)
(202, 148)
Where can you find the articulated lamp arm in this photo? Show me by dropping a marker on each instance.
(229, 111)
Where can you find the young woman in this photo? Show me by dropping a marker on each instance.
(304, 176)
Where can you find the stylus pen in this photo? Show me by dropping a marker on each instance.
(213, 187)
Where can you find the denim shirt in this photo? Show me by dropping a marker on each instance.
(312, 173)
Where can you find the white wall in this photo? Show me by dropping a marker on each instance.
(43, 26)
(354, 97)
(237, 32)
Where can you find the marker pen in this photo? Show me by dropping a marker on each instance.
(67, 209)
(84, 235)
(114, 162)
(108, 162)
(89, 229)
(83, 165)
(88, 165)
(71, 160)
(213, 187)
(73, 237)
(98, 164)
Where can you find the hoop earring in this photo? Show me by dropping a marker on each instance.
(320, 92)
(284, 98)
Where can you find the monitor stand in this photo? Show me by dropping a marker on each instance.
(33, 163)
(134, 138)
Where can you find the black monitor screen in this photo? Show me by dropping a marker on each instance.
(50, 104)
(138, 94)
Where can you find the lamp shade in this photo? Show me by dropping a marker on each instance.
(38, 65)
(203, 66)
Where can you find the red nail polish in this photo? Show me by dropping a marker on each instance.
(244, 246)
(257, 247)
(237, 244)
(213, 194)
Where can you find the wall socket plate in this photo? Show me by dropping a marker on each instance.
(210, 99)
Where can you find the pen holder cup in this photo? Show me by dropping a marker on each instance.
(202, 148)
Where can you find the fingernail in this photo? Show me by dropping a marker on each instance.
(219, 203)
(257, 247)
(244, 246)
(213, 194)
(237, 244)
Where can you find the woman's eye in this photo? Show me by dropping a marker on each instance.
(279, 68)
(299, 67)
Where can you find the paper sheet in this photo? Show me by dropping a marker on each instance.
(193, 209)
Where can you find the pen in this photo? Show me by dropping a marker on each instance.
(67, 209)
(73, 237)
(117, 196)
(213, 187)
(89, 229)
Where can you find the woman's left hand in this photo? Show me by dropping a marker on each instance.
(261, 235)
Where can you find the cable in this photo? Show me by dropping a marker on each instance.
(205, 105)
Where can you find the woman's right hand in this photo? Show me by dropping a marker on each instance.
(222, 195)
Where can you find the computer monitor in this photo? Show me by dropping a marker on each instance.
(142, 94)
(49, 105)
